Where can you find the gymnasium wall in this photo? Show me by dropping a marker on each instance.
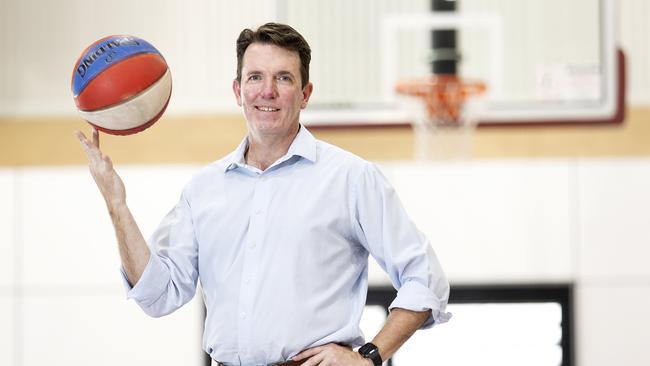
(544, 204)
(43, 39)
(525, 221)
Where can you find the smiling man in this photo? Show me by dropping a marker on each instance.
(272, 91)
(279, 233)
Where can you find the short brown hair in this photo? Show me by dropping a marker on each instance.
(280, 35)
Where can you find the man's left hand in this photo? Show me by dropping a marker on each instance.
(331, 355)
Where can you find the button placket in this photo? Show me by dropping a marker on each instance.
(251, 262)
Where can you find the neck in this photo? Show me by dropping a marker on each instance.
(262, 152)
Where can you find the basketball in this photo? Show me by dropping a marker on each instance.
(121, 84)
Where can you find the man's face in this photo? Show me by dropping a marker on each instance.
(270, 90)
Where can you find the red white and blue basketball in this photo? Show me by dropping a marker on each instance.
(121, 84)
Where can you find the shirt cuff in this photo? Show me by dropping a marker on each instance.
(416, 297)
(152, 283)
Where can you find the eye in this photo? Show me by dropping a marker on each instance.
(285, 78)
(254, 77)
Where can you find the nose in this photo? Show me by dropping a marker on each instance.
(269, 89)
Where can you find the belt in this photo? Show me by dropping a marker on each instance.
(288, 363)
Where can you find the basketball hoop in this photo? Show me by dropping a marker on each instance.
(443, 96)
(444, 128)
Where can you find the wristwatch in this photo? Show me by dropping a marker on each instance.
(371, 351)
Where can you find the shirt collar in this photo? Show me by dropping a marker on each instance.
(236, 158)
(303, 145)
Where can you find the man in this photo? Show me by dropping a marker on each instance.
(279, 232)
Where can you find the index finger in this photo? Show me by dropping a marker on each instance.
(91, 152)
(80, 135)
(307, 353)
(82, 138)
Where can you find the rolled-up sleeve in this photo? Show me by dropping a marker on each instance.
(170, 277)
(386, 231)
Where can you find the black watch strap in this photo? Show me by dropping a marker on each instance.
(371, 352)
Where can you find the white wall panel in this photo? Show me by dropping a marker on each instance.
(153, 191)
(41, 40)
(107, 330)
(7, 59)
(7, 339)
(634, 27)
(8, 206)
(74, 242)
(489, 221)
(612, 325)
(614, 217)
(493, 221)
(67, 234)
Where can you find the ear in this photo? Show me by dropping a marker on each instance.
(306, 93)
(236, 88)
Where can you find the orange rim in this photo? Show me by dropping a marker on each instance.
(444, 95)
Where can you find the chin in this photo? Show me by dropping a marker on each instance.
(267, 127)
(270, 126)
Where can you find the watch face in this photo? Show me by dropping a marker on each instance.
(371, 352)
(368, 350)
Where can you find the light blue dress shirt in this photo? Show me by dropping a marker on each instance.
(282, 254)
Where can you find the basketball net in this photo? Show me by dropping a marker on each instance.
(445, 125)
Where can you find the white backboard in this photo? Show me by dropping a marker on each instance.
(544, 61)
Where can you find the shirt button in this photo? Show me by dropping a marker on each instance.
(247, 281)
(251, 245)
(242, 315)
(258, 211)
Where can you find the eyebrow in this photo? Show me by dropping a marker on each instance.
(281, 72)
(285, 72)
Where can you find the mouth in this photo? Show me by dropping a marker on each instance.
(266, 109)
